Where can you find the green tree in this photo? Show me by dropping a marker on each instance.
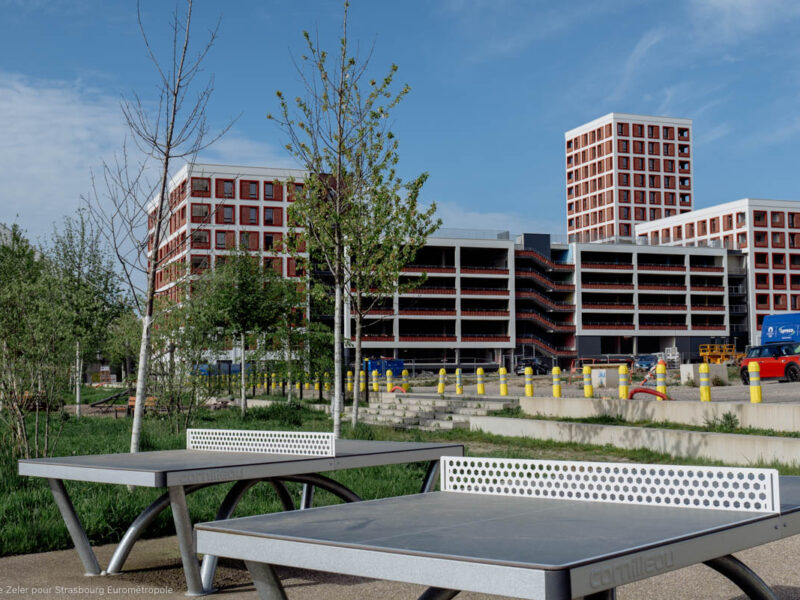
(237, 298)
(325, 129)
(124, 334)
(35, 346)
(90, 287)
(386, 231)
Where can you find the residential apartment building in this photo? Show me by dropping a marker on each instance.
(767, 232)
(215, 209)
(624, 169)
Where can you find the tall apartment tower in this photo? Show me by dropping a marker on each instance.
(625, 169)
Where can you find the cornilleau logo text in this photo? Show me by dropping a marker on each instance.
(631, 570)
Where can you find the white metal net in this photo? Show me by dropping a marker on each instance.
(722, 488)
(304, 443)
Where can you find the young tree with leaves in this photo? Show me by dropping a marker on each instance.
(239, 297)
(325, 129)
(90, 288)
(134, 213)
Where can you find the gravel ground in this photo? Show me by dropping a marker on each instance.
(153, 570)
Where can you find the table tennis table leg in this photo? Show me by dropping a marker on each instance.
(434, 593)
(76, 530)
(267, 583)
(745, 578)
(604, 595)
(430, 477)
(307, 497)
(183, 527)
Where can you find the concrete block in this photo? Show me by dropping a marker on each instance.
(605, 378)
(729, 448)
(692, 372)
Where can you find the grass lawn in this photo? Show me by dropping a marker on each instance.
(30, 521)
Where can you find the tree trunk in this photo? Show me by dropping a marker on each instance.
(78, 378)
(357, 368)
(336, 404)
(141, 380)
(288, 355)
(243, 378)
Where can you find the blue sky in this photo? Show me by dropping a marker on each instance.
(495, 83)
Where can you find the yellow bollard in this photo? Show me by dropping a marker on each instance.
(588, 390)
(556, 382)
(459, 383)
(350, 381)
(362, 381)
(440, 387)
(297, 385)
(316, 381)
(529, 382)
(754, 371)
(274, 383)
(705, 386)
(624, 380)
(376, 385)
(479, 378)
(661, 377)
(327, 382)
(503, 381)
(308, 381)
(405, 384)
(389, 380)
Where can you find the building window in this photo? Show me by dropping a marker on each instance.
(220, 240)
(227, 214)
(269, 241)
(779, 260)
(683, 133)
(201, 239)
(200, 213)
(248, 190)
(623, 145)
(683, 149)
(201, 187)
(199, 264)
(779, 281)
(761, 259)
(669, 197)
(690, 230)
(685, 198)
(624, 196)
(620, 129)
(224, 188)
(777, 240)
(269, 190)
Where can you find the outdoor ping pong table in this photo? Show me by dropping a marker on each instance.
(548, 530)
(218, 456)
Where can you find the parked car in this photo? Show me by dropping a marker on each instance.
(776, 361)
(645, 361)
(539, 368)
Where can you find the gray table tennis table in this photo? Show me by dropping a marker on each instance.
(222, 456)
(546, 530)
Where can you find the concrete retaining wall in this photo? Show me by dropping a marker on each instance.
(775, 416)
(726, 447)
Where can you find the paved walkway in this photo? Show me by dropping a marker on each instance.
(154, 571)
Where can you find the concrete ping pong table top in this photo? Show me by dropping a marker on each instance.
(494, 536)
(219, 456)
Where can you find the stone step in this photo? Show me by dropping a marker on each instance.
(442, 424)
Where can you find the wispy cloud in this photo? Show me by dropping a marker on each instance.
(729, 20)
(502, 28)
(634, 61)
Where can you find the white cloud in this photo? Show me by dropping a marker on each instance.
(634, 60)
(453, 215)
(507, 27)
(54, 133)
(729, 20)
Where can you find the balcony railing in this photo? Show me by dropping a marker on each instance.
(428, 269)
(484, 313)
(658, 307)
(706, 327)
(427, 337)
(608, 286)
(484, 292)
(438, 312)
(542, 259)
(708, 269)
(672, 287)
(485, 338)
(432, 290)
(484, 271)
(655, 267)
(554, 285)
(528, 338)
(663, 326)
(708, 288)
(608, 306)
(713, 307)
(554, 326)
(533, 294)
(606, 265)
(596, 325)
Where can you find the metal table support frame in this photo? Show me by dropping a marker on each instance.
(198, 579)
